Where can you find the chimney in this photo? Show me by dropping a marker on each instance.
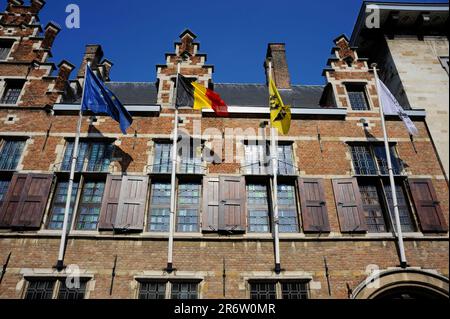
(105, 69)
(51, 31)
(276, 53)
(14, 3)
(65, 68)
(37, 5)
(93, 54)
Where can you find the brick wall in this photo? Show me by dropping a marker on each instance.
(203, 256)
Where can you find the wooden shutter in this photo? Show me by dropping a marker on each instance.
(313, 205)
(110, 202)
(131, 208)
(349, 205)
(30, 205)
(12, 199)
(210, 211)
(428, 208)
(232, 204)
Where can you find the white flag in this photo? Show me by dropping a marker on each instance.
(391, 106)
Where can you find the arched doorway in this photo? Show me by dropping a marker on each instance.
(403, 284)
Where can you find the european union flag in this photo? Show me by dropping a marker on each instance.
(100, 100)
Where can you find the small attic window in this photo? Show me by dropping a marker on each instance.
(5, 49)
(349, 61)
(357, 96)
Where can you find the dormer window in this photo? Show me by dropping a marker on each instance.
(5, 49)
(357, 96)
(12, 92)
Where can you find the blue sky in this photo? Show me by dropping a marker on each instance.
(135, 34)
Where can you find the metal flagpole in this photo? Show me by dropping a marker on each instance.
(173, 178)
(403, 262)
(62, 246)
(276, 220)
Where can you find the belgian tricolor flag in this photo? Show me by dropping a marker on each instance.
(198, 97)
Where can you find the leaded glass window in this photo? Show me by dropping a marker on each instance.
(152, 290)
(184, 290)
(380, 155)
(10, 154)
(191, 159)
(56, 216)
(4, 184)
(5, 48)
(287, 209)
(12, 92)
(72, 293)
(285, 160)
(160, 207)
(403, 208)
(372, 160)
(363, 160)
(162, 162)
(357, 97)
(258, 160)
(258, 208)
(294, 290)
(40, 289)
(90, 205)
(263, 290)
(372, 208)
(188, 207)
(92, 157)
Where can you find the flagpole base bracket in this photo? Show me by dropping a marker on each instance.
(404, 265)
(278, 269)
(59, 265)
(169, 268)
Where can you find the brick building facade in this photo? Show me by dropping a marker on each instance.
(333, 193)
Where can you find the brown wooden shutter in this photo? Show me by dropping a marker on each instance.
(428, 208)
(12, 199)
(313, 205)
(349, 205)
(210, 211)
(131, 208)
(110, 202)
(232, 210)
(33, 200)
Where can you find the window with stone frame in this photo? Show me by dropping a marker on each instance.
(184, 290)
(11, 151)
(287, 209)
(190, 155)
(93, 156)
(371, 159)
(279, 289)
(188, 213)
(358, 97)
(57, 210)
(55, 288)
(258, 159)
(162, 161)
(159, 215)
(376, 196)
(406, 219)
(12, 91)
(88, 211)
(172, 289)
(258, 208)
(5, 48)
(372, 205)
(152, 290)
